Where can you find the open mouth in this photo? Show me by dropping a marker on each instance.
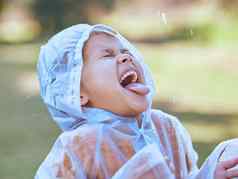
(129, 77)
(131, 80)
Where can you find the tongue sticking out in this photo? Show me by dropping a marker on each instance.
(138, 88)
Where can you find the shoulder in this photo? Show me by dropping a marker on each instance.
(170, 122)
(159, 116)
(87, 138)
(84, 136)
(156, 113)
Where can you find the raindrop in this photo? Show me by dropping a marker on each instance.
(164, 19)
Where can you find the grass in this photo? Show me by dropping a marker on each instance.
(203, 75)
(26, 132)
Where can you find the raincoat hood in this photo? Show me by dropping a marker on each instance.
(59, 71)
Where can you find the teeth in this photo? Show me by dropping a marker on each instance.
(133, 73)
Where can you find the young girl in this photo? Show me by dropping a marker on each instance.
(99, 91)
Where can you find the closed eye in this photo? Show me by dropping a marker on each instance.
(125, 51)
(108, 55)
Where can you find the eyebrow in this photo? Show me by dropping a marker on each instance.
(124, 50)
(110, 50)
(101, 50)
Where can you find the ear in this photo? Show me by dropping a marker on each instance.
(83, 98)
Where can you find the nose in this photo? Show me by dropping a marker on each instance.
(124, 58)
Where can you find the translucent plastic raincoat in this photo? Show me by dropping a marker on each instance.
(98, 144)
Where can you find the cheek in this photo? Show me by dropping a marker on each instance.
(100, 77)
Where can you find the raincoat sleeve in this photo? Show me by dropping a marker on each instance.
(184, 138)
(178, 139)
(224, 151)
(190, 154)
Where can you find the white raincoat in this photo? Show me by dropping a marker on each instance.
(98, 144)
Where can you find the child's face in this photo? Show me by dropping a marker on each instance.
(111, 79)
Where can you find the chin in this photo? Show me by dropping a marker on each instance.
(138, 107)
(136, 104)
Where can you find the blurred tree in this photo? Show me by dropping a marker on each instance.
(1, 5)
(50, 13)
(54, 15)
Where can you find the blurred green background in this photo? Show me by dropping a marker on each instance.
(190, 46)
